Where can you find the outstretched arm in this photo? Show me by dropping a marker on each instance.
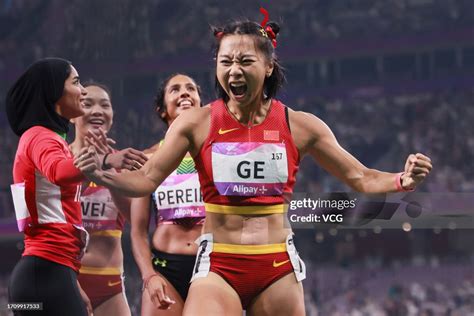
(144, 181)
(314, 137)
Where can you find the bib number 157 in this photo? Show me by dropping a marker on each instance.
(277, 156)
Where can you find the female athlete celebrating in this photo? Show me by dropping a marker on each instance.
(247, 147)
(104, 213)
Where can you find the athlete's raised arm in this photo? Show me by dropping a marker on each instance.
(312, 136)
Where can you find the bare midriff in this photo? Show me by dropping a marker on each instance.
(176, 239)
(104, 252)
(247, 229)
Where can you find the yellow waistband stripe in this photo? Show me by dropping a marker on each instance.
(107, 233)
(246, 210)
(100, 270)
(249, 249)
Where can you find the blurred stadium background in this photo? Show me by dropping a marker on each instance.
(390, 77)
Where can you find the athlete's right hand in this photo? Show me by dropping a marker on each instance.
(89, 164)
(156, 287)
(128, 158)
(87, 160)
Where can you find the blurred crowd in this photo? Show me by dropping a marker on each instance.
(382, 131)
(124, 30)
(405, 288)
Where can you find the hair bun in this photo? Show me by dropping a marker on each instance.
(274, 26)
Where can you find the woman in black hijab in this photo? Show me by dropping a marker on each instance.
(46, 188)
(32, 99)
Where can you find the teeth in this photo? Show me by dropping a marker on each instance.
(185, 102)
(238, 88)
(96, 121)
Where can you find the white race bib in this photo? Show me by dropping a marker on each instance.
(179, 196)
(249, 169)
(19, 203)
(99, 212)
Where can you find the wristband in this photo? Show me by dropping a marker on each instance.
(105, 166)
(398, 183)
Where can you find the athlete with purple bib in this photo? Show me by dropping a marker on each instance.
(179, 214)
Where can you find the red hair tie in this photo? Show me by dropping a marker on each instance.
(270, 32)
(271, 35)
(219, 34)
(265, 17)
(268, 29)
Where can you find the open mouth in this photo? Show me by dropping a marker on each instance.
(185, 104)
(238, 89)
(96, 123)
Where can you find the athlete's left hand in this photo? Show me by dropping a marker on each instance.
(99, 139)
(87, 160)
(417, 167)
(157, 289)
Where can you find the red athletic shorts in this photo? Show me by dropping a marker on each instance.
(100, 287)
(249, 269)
